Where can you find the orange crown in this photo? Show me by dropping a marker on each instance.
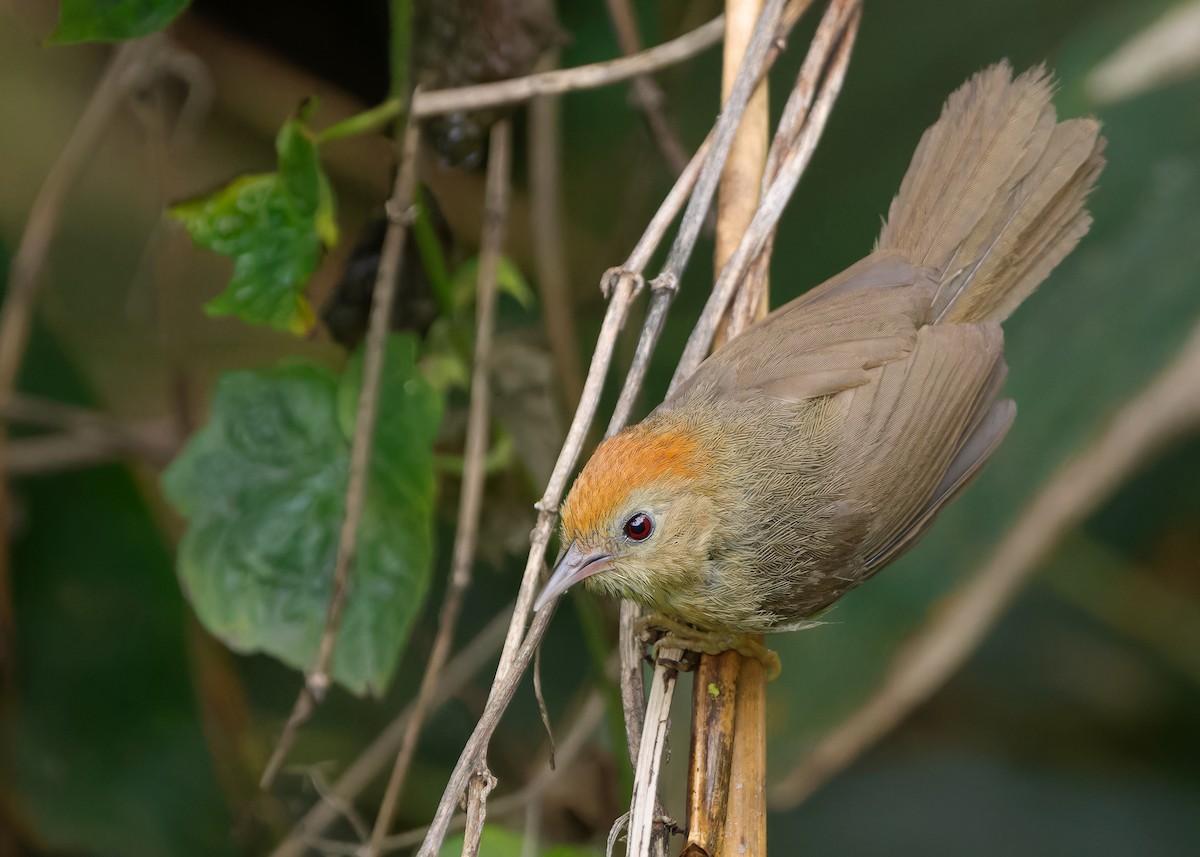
(634, 458)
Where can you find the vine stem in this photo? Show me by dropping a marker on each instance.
(471, 503)
(484, 95)
(317, 679)
(620, 285)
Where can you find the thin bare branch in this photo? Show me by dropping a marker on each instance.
(1166, 408)
(471, 503)
(382, 750)
(646, 94)
(576, 736)
(644, 806)
(481, 785)
(318, 678)
(593, 76)
(621, 286)
(25, 271)
(840, 25)
(549, 246)
(154, 442)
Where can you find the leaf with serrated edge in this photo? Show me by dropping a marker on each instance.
(275, 226)
(114, 20)
(263, 486)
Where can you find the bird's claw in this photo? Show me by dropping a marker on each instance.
(663, 632)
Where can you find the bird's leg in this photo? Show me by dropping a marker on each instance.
(673, 633)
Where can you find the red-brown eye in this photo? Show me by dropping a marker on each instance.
(639, 527)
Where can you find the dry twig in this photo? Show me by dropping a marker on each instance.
(646, 94)
(1167, 407)
(458, 671)
(549, 246)
(317, 680)
(842, 15)
(620, 285)
(471, 503)
(575, 738)
(593, 76)
(727, 755)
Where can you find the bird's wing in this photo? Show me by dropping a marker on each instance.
(825, 341)
(918, 431)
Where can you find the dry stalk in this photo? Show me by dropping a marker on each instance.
(375, 757)
(474, 468)
(481, 785)
(593, 76)
(621, 286)
(828, 55)
(578, 732)
(549, 246)
(1166, 408)
(646, 94)
(317, 680)
(728, 738)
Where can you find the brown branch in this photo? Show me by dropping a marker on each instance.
(593, 76)
(318, 678)
(831, 53)
(153, 442)
(481, 785)
(471, 503)
(583, 725)
(621, 286)
(727, 755)
(85, 437)
(382, 750)
(25, 270)
(1166, 408)
(742, 178)
(549, 246)
(646, 94)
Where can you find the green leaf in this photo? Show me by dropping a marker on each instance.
(113, 20)
(275, 227)
(263, 487)
(498, 842)
(509, 280)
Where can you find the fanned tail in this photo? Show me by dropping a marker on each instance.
(994, 196)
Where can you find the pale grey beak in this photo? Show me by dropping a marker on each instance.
(574, 566)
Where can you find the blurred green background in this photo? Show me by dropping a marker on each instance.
(128, 730)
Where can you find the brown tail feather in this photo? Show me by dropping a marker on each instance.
(994, 196)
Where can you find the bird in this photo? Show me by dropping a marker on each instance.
(803, 456)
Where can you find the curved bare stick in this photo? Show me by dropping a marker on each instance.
(847, 14)
(470, 506)
(1167, 407)
(317, 680)
(458, 671)
(593, 76)
(621, 285)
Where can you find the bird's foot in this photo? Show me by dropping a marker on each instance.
(663, 632)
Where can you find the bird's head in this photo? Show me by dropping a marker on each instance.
(640, 518)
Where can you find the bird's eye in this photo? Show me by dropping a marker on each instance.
(639, 527)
